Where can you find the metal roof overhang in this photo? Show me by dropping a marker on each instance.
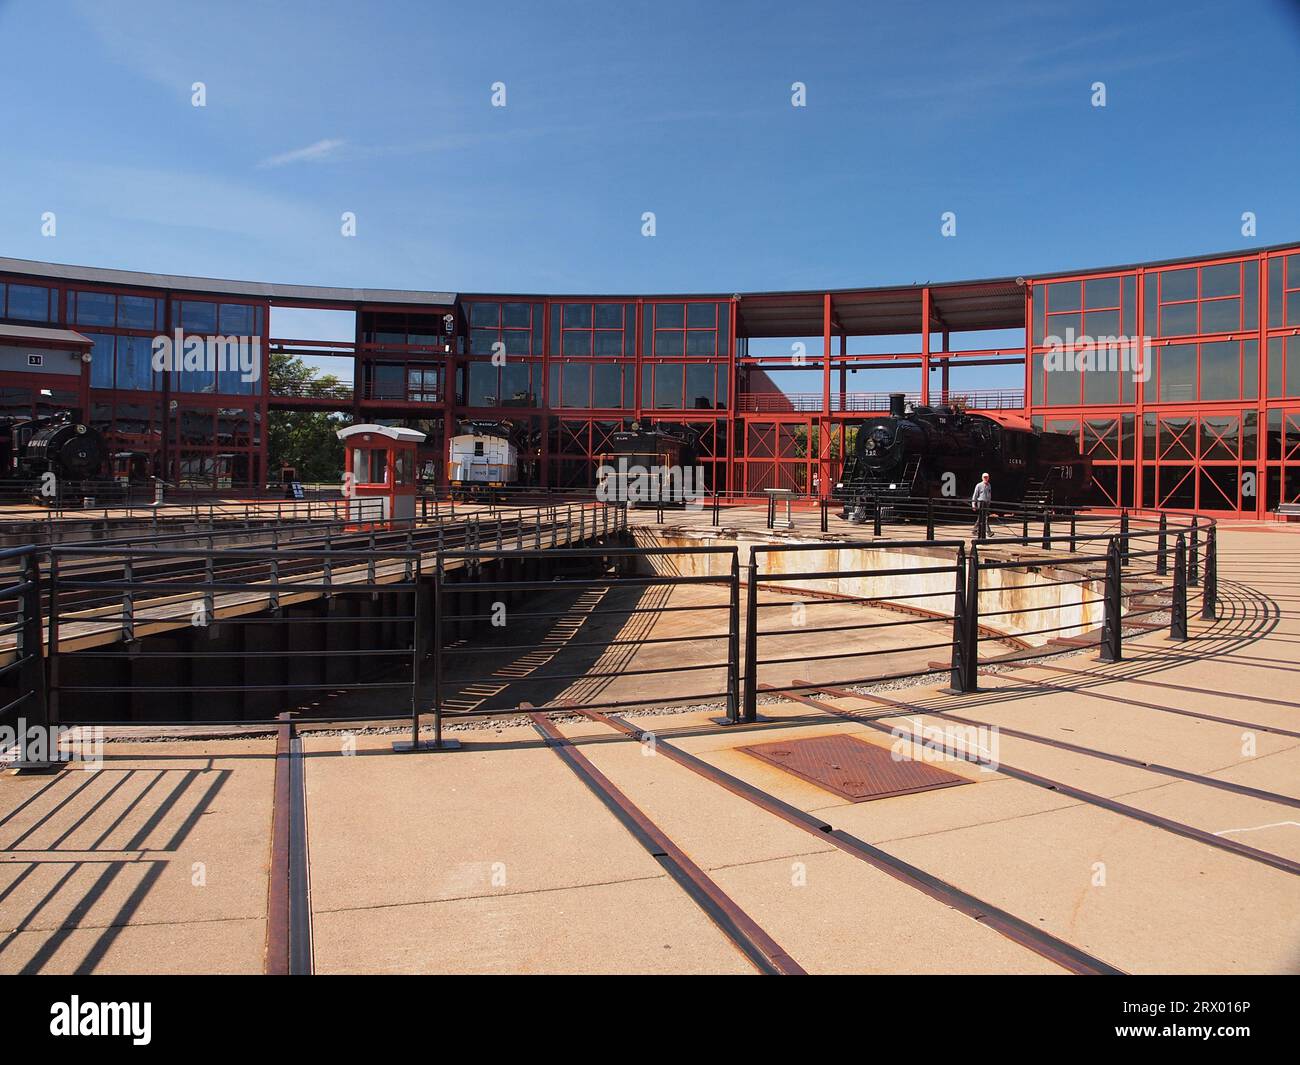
(42, 336)
(883, 311)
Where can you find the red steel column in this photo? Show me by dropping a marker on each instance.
(823, 430)
(925, 346)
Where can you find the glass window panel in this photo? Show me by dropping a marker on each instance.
(482, 387)
(700, 341)
(1178, 319)
(607, 386)
(29, 303)
(517, 315)
(720, 395)
(1222, 280)
(1101, 384)
(1177, 285)
(669, 315)
(669, 343)
(199, 317)
(388, 381)
(608, 316)
(577, 385)
(1178, 373)
(702, 315)
(237, 319)
(1293, 366)
(1150, 324)
(1219, 437)
(135, 363)
(608, 342)
(1276, 352)
(518, 341)
(577, 343)
(1062, 387)
(96, 308)
(1250, 296)
(1220, 316)
(1039, 303)
(1176, 439)
(485, 314)
(699, 387)
(668, 387)
(1129, 285)
(137, 312)
(539, 325)
(1274, 292)
(724, 329)
(481, 341)
(629, 389)
(1250, 370)
(1102, 292)
(516, 385)
(629, 328)
(1064, 326)
(1293, 308)
(1102, 323)
(101, 360)
(1249, 435)
(1065, 296)
(577, 316)
(1220, 367)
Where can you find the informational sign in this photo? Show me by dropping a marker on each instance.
(296, 488)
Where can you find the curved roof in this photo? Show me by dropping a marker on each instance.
(393, 432)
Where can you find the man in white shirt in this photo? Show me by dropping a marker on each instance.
(982, 496)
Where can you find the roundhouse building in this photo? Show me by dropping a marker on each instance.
(1181, 378)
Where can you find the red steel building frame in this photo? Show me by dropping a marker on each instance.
(1215, 427)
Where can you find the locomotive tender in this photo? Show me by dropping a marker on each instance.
(942, 451)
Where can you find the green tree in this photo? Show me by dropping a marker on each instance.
(305, 440)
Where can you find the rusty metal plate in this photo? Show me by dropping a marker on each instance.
(853, 769)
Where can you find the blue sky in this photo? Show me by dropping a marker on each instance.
(614, 109)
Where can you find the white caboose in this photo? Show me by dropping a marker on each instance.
(481, 461)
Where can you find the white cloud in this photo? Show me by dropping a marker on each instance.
(313, 153)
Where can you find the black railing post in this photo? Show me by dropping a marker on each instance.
(771, 511)
(824, 514)
(1194, 557)
(1024, 531)
(929, 517)
(715, 510)
(1210, 593)
(1162, 548)
(957, 673)
(750, 710)
(1074, 519)
(31, 674)
(1178, 608)
(1123, 538)
(876, 526)
(970, 656)
(1111, 632)
(52, 641)
(733, 641)
(1047, 529)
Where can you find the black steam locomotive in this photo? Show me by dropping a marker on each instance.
(942, 452)
(60, 444)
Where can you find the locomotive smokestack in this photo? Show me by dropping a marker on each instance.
(896, 404)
